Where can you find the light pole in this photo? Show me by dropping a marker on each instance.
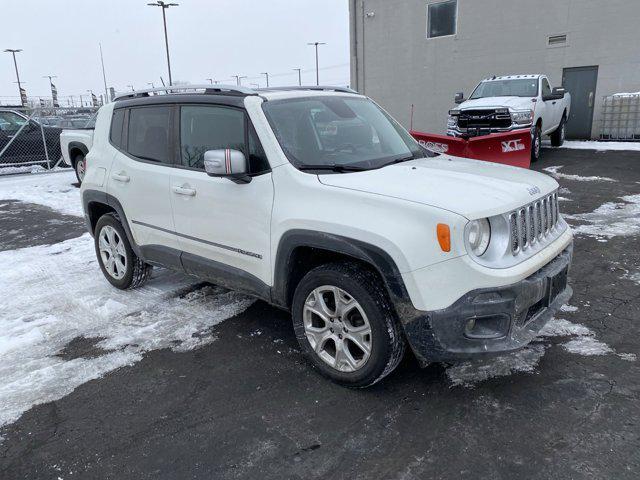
(164, 6)
(104, 75)
(266, 74)
(317, 71)
(239, 79)
(131, 87)
(210, 80)
(299, 70)
(15, 64)
(152, 85)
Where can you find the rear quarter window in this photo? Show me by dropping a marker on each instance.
(117, 123)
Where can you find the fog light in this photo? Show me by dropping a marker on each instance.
(471, 324)
(489, 327)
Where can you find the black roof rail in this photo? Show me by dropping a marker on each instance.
(208, 89)
(320, 88)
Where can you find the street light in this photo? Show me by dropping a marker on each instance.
(299, 70)
(13, 52)
(164, 6)
(317, 71)
(266, 74)
(239, 79)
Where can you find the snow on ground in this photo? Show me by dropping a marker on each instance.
(634, 277)
(54, 190)
(600, 146)
(610, 219)
(583, 342)
(554, 171)
(53, 294)
(467, 374)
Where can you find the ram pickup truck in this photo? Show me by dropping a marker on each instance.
(315, 200)
(75, 144)
(502, 104)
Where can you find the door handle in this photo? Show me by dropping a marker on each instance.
(553, 103)
(120, 177)
(190, 192)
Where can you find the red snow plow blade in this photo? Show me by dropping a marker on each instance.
(510, 148)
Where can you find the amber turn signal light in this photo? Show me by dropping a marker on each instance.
(444, 237)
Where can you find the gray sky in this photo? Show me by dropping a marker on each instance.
(207, 39)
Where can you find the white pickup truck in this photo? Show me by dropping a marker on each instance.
(75, 144)
(502, 104)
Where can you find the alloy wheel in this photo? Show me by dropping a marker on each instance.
(80, 169)
(337, 328)
(112, 252)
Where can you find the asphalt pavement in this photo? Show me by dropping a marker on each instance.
(248, 406)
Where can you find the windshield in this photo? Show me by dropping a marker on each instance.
(339, 131)
(522, 87)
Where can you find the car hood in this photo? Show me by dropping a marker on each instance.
(471, 188)
(515, 103)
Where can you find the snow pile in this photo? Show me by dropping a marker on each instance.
(600, 146)
(467, 374)
(611, 219)
(63, 295)
(634, 277)
(587, 345)
(54, 190)
(556, 174)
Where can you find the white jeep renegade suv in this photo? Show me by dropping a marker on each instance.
(318, 202)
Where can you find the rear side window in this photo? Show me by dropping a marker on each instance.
(148, 134)
(117, 122)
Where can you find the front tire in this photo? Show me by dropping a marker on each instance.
(118, 262)
(345, 325)
(536, 144)
(557, 137)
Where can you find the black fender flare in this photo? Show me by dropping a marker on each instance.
(380, 260)
(77, 146)
(96, 196)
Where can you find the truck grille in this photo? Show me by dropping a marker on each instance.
(533, 223)
(484, 119)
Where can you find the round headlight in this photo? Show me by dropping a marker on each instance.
(478, 236)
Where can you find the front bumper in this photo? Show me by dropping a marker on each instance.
(480, 131)
(493, 320)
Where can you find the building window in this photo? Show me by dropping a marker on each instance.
(442, 19)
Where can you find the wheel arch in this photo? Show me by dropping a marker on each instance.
(96, 204)
(299, 251)
(74, 149)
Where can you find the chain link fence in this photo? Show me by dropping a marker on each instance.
(30, 138)
(621, 117)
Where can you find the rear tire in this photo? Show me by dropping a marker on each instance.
(80, 166)
(118, 262)
(557, 137)
(536, 144)
(355, 340)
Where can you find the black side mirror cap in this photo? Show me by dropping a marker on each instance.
(459, 98)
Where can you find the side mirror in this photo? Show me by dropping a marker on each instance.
(459, 98)
(558, 92)
(227, 163)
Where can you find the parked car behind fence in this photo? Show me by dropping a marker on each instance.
(31, 137)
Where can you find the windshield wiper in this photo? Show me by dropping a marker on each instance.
(333, 168)
(400, 160)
